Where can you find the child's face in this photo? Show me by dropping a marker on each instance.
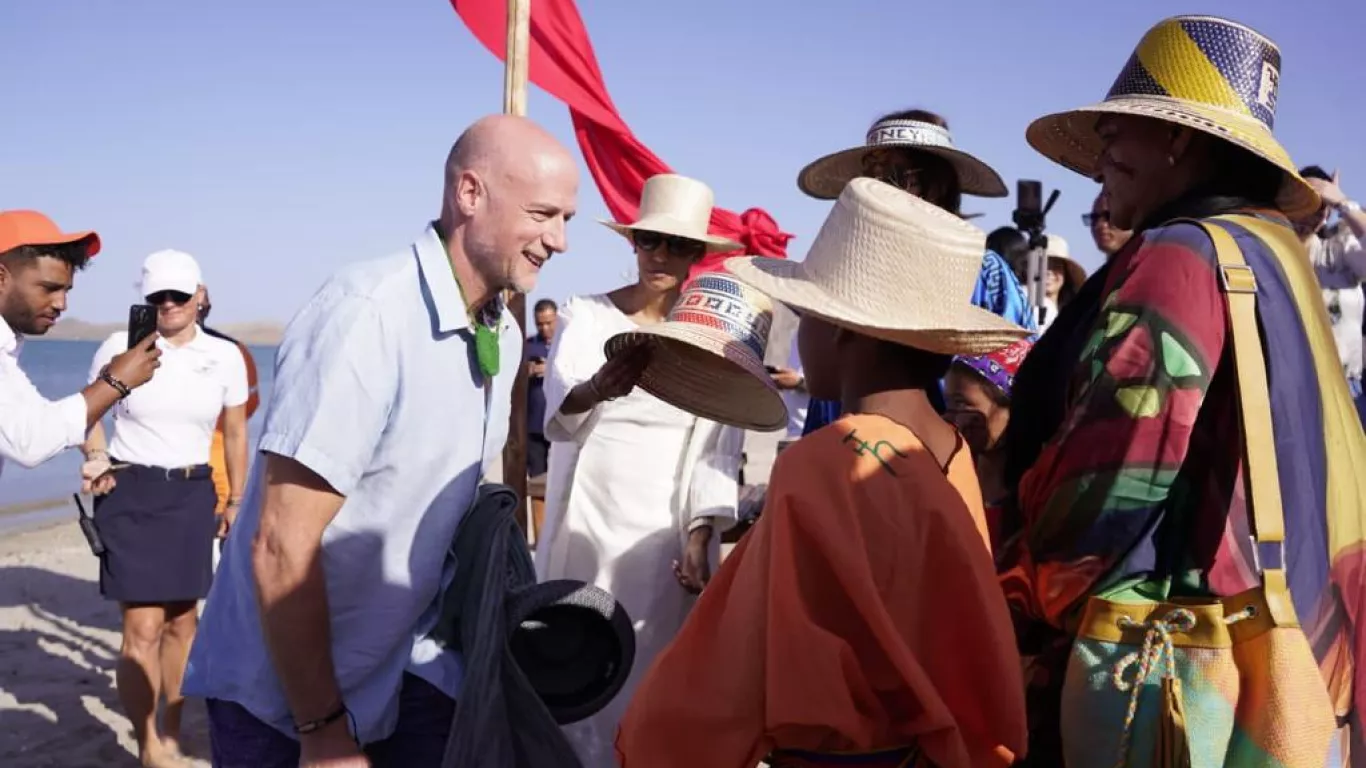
(973, 411)
(816, 342)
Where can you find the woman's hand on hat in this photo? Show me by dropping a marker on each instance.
(618, 376)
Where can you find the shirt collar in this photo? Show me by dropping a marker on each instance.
(9, 340)
(448, 302)
(448, 307)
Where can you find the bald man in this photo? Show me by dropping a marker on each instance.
(392, 388)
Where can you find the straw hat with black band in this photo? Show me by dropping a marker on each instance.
(679, 206)
(825, 178)
(1203, 72)
(889, 265)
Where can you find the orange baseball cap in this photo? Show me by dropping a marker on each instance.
(33, 228)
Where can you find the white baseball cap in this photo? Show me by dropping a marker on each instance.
(170, 271)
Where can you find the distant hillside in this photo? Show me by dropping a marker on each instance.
(265, 333)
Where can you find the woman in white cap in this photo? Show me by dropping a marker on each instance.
(155, 498)
(627, 470)
(1200, 414)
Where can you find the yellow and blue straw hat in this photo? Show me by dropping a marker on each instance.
(1211, 74)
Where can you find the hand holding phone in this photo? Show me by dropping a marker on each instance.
(142, 322)
(134, 367)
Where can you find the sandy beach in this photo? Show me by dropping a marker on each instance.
(59, 640)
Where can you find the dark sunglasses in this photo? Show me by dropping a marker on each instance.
(1090, 219)
(686, 247)
(176, 297)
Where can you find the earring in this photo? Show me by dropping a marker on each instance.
(1171, 161)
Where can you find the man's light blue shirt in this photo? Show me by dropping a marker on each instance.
(378, 391)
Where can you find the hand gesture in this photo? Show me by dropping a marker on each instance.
(97, 477)
(694, 570)
(536, 369)
(331, 747)
(786, 378)
(618, 376)
(136, 366)
(1330, 191)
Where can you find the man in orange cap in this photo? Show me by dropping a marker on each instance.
(38, 263)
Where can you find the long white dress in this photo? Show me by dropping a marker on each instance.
(626, 480)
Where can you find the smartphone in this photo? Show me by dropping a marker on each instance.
(142, 322)
(1030, 195)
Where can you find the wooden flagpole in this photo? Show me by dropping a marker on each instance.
(514, 103)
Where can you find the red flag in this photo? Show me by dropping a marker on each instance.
(563, 64)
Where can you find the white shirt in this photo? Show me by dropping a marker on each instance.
(33, 429)
(169, 421)
(796, 400)
(1340, 265)
(377, 390)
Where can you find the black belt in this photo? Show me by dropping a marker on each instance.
(164, 474)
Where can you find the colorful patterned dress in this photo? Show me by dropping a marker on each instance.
(1138, 494)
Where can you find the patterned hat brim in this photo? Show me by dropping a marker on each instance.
(1070, 140)
(706, 373)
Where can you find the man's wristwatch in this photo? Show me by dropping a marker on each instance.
(1348, 206)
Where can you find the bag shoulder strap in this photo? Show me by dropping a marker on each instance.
(1260, 471)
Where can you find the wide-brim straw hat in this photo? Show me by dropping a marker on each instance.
(826, 178)
(1060, 254)
(708, 357)
(889, 265)
(676, 205)
(1210, 74)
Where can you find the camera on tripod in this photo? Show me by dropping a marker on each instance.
(1030, 218)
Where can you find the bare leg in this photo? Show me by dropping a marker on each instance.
(181, 623)
(139, 678)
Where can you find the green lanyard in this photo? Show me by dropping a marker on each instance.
(485, 321)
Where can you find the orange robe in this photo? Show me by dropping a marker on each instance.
(860, 614)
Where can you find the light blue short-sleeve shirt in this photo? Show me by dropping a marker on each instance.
(378, 391)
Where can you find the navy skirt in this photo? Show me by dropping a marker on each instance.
(158, 529)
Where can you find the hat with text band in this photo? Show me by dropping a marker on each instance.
(889, 265)
(1213, 75)
(708, 355)
(825, 178)
(676, 205)
(20, 228)
(170, 271)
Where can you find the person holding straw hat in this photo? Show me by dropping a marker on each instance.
(638, 491)
(859, 620)
(1139, 497)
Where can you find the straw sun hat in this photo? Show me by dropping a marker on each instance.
(1060, 254)
(825, 178)
(708, 355)
(1207, 73)
(676, 205)
(889, 265)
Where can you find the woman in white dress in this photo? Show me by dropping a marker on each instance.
(638, 491)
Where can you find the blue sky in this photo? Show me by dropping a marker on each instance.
(277, 141)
